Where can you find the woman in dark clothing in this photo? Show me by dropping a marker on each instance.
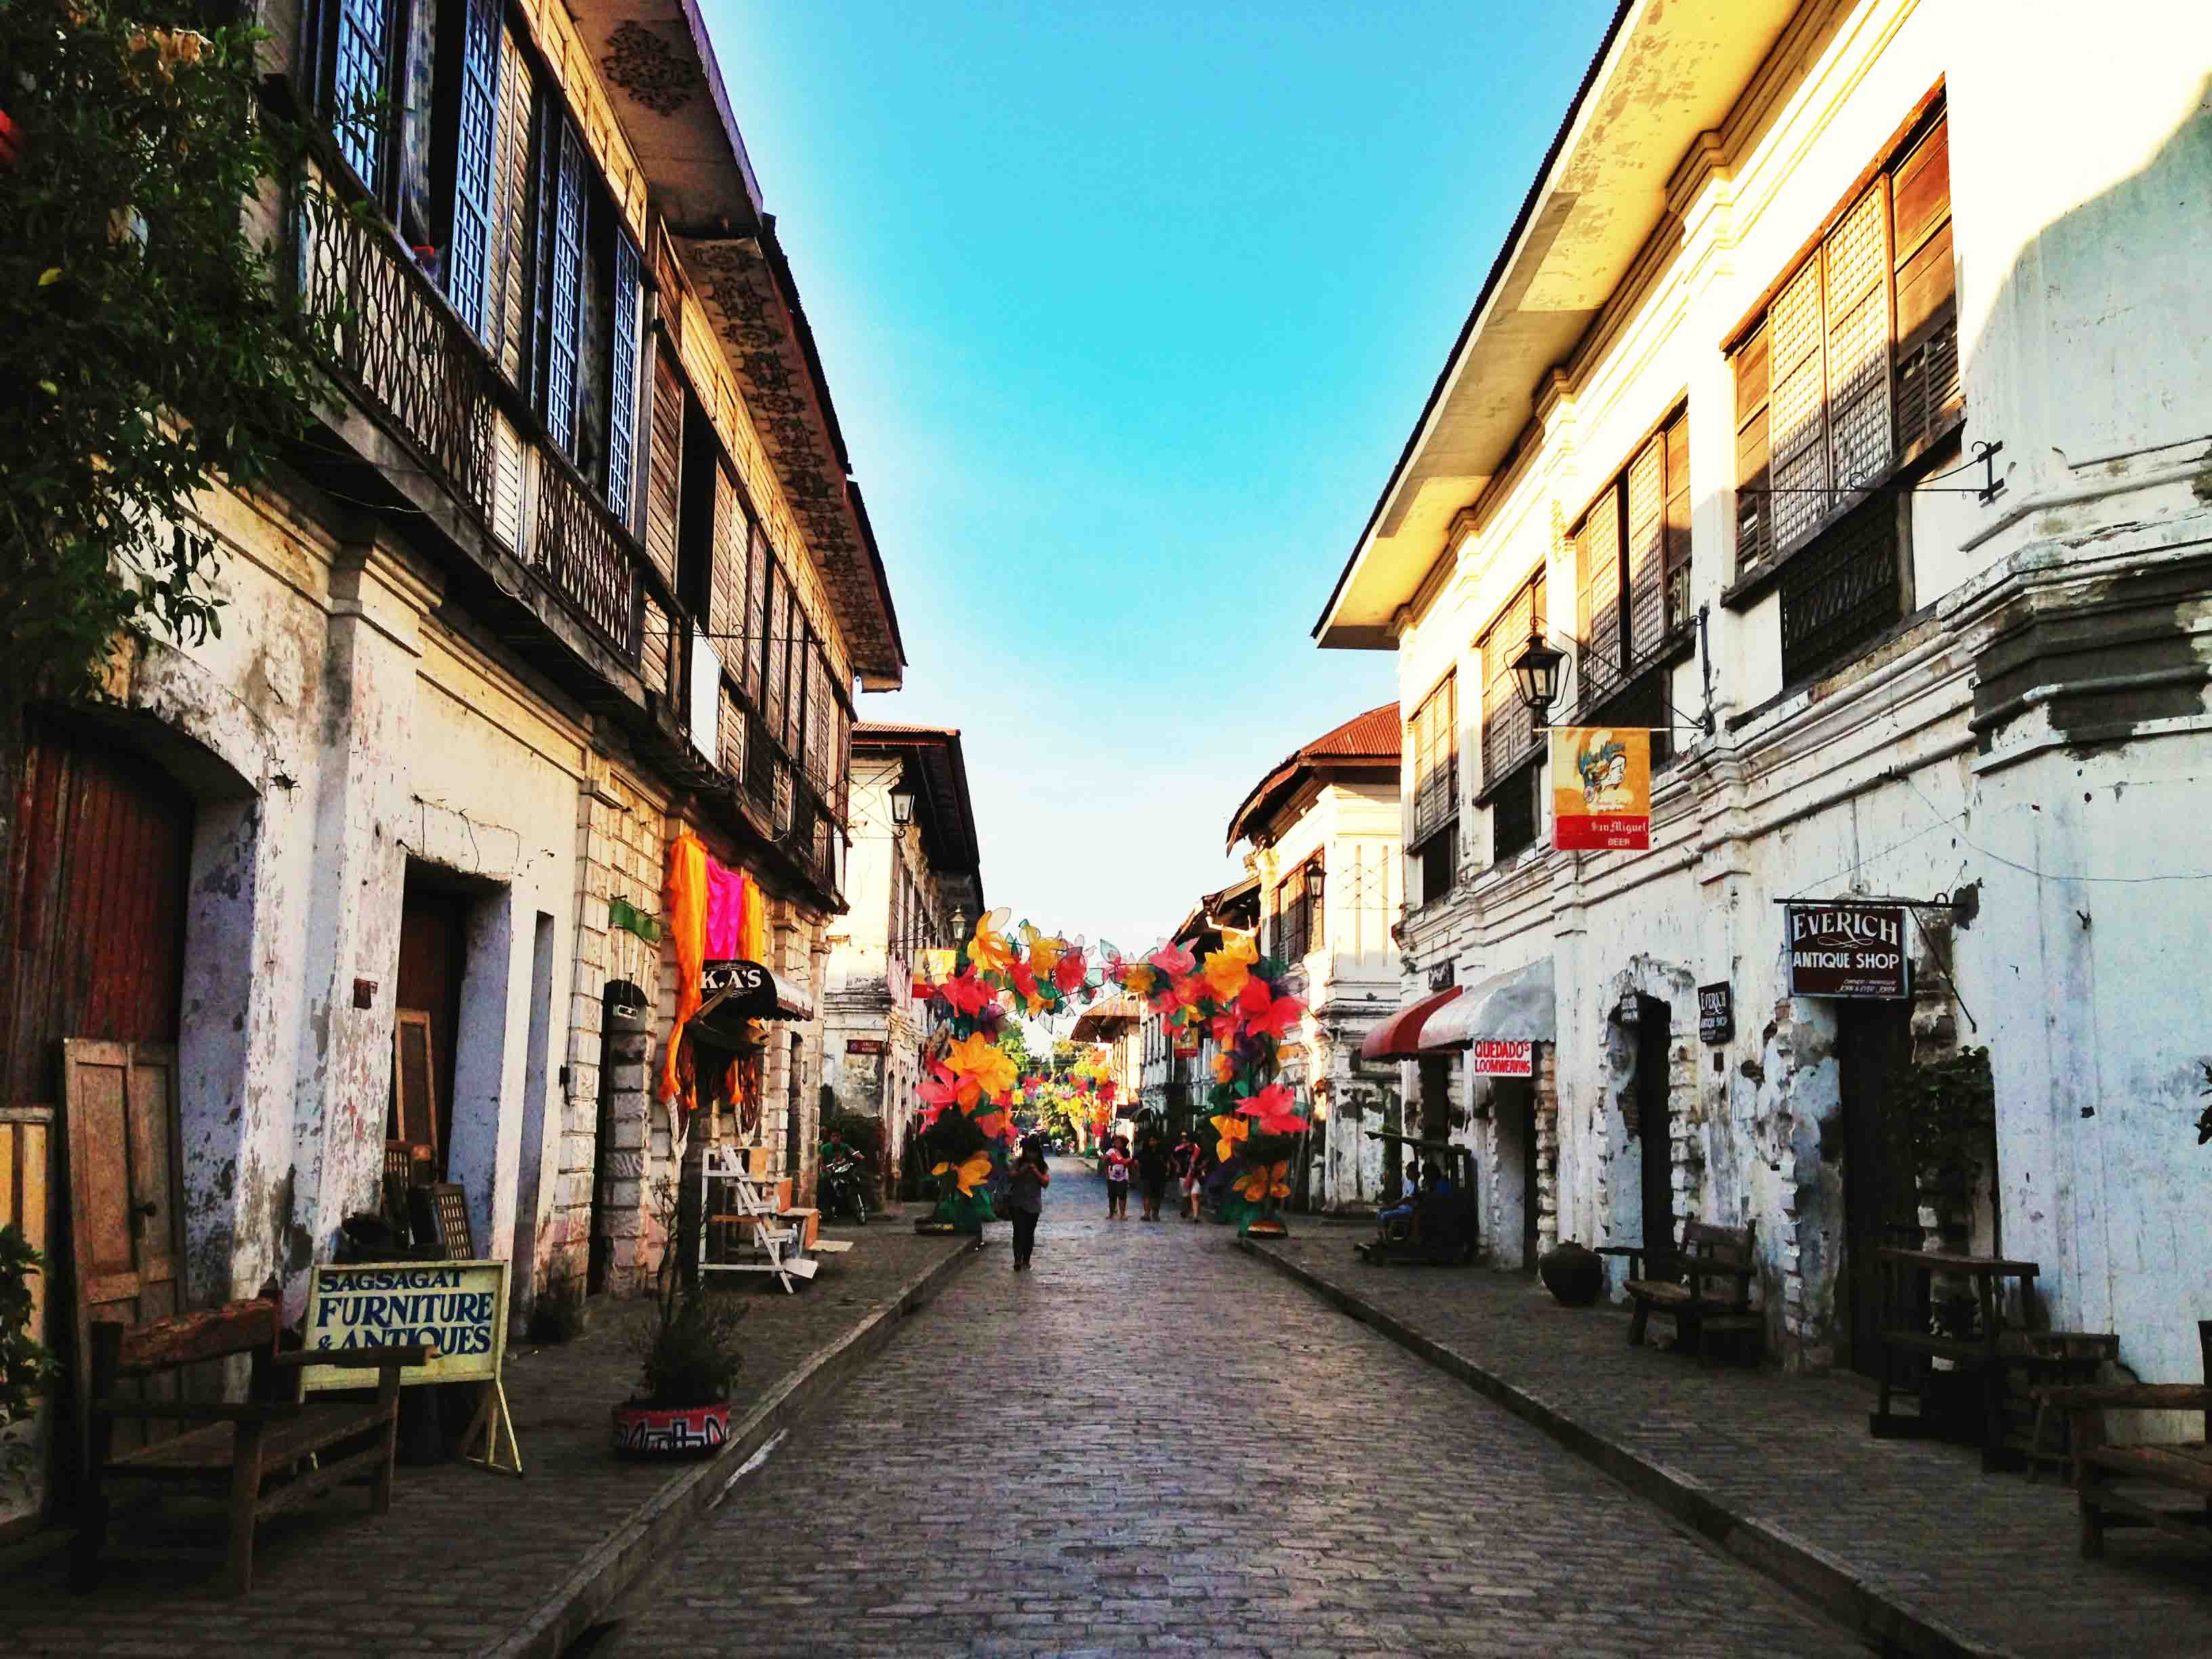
(1152, 1170)
(1025, 1184)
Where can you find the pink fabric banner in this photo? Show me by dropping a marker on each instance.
(726, 913)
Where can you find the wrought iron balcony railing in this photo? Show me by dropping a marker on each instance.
(399, 348)
(414, 365)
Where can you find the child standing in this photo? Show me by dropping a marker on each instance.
(1117, 1179)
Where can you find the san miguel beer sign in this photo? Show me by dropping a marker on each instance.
(1847, 951)
(1600, 788)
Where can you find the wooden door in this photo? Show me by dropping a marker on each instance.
(433, 958)
(126, 1203)
(1873, 1041)
(1655, 1122)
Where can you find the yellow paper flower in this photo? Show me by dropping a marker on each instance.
(1224, 1068)
(1138, 983)
(1264, 1182)
(1045, 951)
(971, 1174)
(988, 950)
(1226, 974)
(976, 1059)
(1231, 1130)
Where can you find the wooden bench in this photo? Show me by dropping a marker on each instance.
(1704, 1286)
(2108, 1477)
(250, 1454)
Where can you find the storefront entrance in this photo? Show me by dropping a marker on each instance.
(1874, 1042)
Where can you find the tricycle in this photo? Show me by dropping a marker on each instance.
(1436, 1224)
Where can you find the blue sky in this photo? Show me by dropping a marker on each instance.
(1128, 310)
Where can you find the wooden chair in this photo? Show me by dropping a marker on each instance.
(1704, 1286)
(2108, 1479)
(247, 1452)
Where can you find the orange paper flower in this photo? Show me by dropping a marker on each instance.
(971, 1174)
(978, 1059)
(1231, 1130)
(1265, 1181)
(988, 950)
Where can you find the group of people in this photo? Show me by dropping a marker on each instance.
(1153, 1163)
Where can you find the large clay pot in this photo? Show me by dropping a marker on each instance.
(684, 1431)
(1573, 1273)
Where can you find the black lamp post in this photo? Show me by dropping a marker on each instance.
(1536, 674)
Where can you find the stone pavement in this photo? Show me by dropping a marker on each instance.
(1148, 1444)
(468, 1561)
(1906, 1540)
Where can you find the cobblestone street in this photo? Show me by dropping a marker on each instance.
(1149, 1443)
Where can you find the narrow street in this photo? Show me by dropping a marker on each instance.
(1148, 1444)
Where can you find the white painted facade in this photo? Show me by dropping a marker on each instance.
(2031, 734)
(1348, 975)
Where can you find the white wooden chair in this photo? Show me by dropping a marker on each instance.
(741, 1229)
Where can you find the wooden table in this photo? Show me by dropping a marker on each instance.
(1907, 1305)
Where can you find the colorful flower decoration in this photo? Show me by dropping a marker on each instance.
(1232, 1129)
(1274, 1111)
(988, 951)
(1263, 1181)
(969, 1175)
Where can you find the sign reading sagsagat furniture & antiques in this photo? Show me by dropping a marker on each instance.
(459, 1306)
(1846, 949)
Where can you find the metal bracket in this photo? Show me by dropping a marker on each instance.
(1992, 486)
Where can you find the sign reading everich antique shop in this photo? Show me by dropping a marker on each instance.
(460, 1307)
(1846, 950)
(1600, 788)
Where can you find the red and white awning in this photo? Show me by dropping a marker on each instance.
(1402, 1037)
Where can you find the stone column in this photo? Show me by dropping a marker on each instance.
(351, 932)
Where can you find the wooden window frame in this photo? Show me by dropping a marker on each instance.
(1923, 401)
(1502, 712)
(1657, 589)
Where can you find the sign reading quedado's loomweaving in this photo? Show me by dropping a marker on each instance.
(458, 1307)
(1503, 1057)
(1600, 788)
(1846, 950)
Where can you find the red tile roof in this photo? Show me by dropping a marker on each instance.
(1371, 739)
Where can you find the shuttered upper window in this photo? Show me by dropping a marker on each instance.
(1509, 736)
(1632, 564)
(1433, 739)
(1854, 367)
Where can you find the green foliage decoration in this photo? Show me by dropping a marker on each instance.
(149, 344)
(27, 1368)
(1941, 1116)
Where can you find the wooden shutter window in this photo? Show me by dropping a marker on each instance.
(1754, 507)
(621, 392)
(476, 169)
(360, 81)
(1798, 408)
(1436, 758)
(1929, 394)
(1646, 487)
(509, 275)
(757, 569)
(665, 476)
(1856, 280)
(1599, 606)
(1509, 728)
(726, 579)
(562, 240)
(763, 648)
(1676, 554)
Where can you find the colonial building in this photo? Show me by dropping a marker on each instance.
(1841, 417)
(1323, 829)
(913, 881)
(1116, 1025)
(575, 565)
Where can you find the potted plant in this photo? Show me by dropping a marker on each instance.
(688, 1356)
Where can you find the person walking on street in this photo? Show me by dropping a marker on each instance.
(1152, 1170)
(1117, 1179)
(1025, 1185)
(1194, 1177)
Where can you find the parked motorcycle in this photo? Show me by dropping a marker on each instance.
(844, 1189)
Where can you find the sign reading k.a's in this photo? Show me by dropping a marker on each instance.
(1847, 951)
(1600, 788)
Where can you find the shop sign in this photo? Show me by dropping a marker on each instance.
(1715, 1012)
(1600, 788)
(864, 1045)
(1186, 1042)
(461, 1306)
(1847, 951)
(1504, 1057)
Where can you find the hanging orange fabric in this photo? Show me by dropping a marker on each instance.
(685, 904)
(755, 922)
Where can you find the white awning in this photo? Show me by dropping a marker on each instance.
(1521, 1003)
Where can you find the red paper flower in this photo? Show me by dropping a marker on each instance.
(1274, 1111)
(966, 993)
(1277, 1019)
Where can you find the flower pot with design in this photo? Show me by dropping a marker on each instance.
(671, 1432)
